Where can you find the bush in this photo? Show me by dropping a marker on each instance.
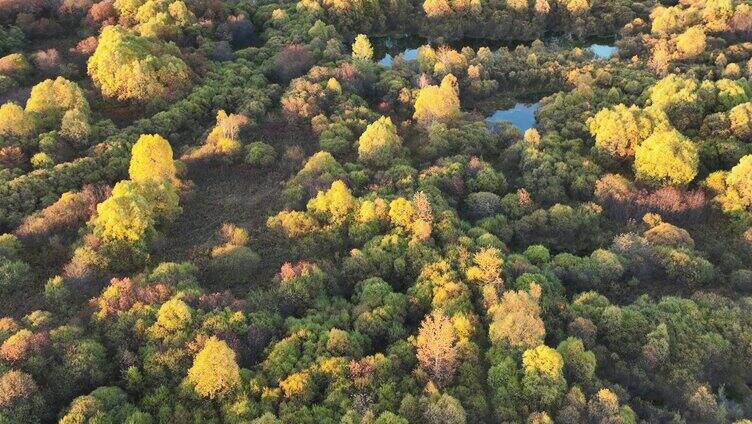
(482, 205)
(260, 154)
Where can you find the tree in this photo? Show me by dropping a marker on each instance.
(127, 67)
(544, 360)
(438, 103)
(444, 409)
(379, 313)
(361, 48)
(107, 404)
(161, 196)
(334, 205)
(379, 144)
(214, 372)
(50, 100)
(741, 121)
(666, 158)
(20, 400)
(124, 218)
(516, 319)
(437, 346)
(739, 181)
(151, 158)
(15, 122)
(619, 130)
(691, 43)
(579, 364)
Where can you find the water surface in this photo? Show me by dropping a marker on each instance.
(387, 48)
(522, 115)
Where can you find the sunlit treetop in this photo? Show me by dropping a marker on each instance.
(361, 48)
(128, 67)
(151, 158)
(438, 103)
(214, 373)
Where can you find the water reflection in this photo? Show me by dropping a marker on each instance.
(522, 115)
(602, 51)
(387, 48)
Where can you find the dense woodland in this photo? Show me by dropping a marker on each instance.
(228, 211)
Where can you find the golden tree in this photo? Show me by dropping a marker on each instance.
(544, 360)
(741, 121)
(128, 67)
(437, 346)
(666, 158)
(438, 103)
(516, 319)
(151, 158)
(215, 373)
(691, 43)
(361, 48)
(379, 144)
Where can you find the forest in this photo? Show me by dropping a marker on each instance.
(375, 211)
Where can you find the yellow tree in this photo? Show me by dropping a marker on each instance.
(128, 67)
(437, 347)
(361, 48)
(15, 122)
(666, 158)
(379, 144)
(739, 182)
(619, 130)
(741, 121)
(438, 103)
(151, 159)
(516, 319)
(544, 360)
(333, 205)
(51, 99)
(214, 373)
(124, 218)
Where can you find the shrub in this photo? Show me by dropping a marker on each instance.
(292, 61)
(482, 205)
(260, 154)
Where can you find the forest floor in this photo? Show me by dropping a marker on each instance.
(237, 194)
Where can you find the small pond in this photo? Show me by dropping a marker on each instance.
(387, 48)
(522, 115)
(602, 51)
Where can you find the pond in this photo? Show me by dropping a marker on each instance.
(602, 51)
(387, 48)
(522, 115)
